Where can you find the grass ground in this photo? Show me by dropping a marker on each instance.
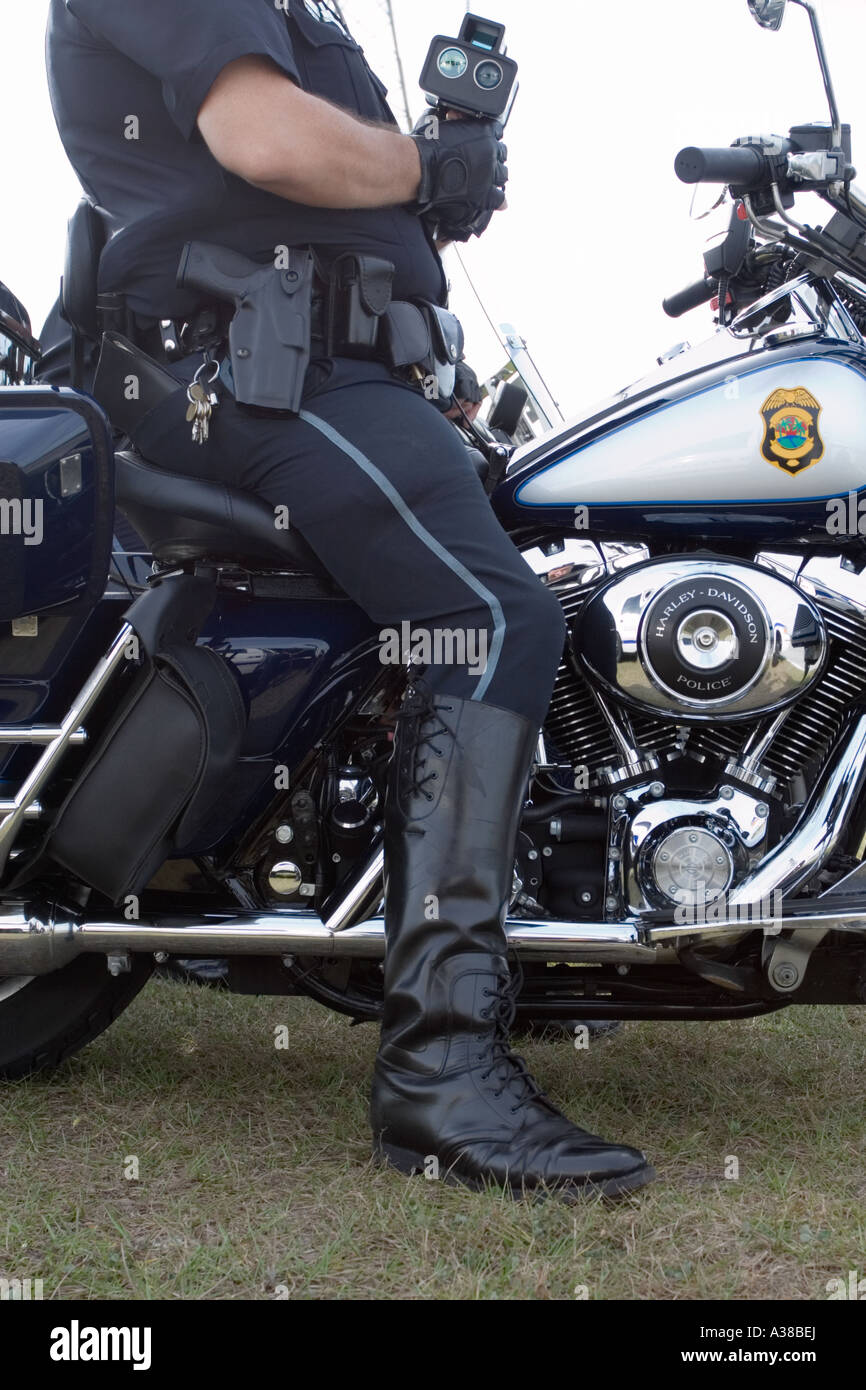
(254, 1179)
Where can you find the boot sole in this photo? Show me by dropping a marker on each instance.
(412, 1164)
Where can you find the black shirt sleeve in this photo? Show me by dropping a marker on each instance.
(187, 43)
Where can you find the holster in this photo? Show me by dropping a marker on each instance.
(270, 335)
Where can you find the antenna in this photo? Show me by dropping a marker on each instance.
(388, 7)
(397, 54)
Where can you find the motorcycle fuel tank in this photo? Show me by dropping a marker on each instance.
(760, 443)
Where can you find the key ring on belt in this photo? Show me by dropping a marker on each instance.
(207, 361)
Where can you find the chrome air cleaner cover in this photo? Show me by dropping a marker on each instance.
(701, 639)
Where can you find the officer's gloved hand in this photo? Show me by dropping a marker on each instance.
(463, 175)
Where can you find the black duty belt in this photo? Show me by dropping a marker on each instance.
(273, 319)
(207, 330)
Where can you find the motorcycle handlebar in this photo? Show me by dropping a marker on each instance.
(699, 293)
(742, 165)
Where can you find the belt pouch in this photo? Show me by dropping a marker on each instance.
(360, 292)
(406, 335)
(446, 336)
(423, 335)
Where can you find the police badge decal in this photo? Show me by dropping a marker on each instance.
(791, 439)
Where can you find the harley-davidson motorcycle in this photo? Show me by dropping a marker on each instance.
(193, 748)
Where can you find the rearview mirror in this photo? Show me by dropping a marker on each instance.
(768, 13)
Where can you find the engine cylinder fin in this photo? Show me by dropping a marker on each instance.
(654, 735)
(804, 740)
(576, 725)
(722, 741)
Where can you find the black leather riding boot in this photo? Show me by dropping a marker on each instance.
(446, 1084)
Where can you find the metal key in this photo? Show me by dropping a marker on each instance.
(201, 405)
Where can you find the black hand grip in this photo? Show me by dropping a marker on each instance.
(217, 270)
(741, 165)
(689, 298)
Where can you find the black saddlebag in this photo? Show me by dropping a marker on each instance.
(152, 779)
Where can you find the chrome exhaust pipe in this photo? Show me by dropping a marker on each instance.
(31, 945)
(818, 832)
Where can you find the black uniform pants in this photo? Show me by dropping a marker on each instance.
(379, 484)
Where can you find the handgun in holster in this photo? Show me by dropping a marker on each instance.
(271, 331)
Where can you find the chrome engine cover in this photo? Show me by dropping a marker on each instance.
(701, 639)
(683, 850)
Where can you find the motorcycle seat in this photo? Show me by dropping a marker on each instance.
(183, 519)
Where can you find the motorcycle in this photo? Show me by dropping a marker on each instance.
(193, 744)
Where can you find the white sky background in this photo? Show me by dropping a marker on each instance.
(597, 231)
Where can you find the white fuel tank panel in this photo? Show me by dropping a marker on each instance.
(788, 431)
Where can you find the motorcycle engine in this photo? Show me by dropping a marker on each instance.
(698, 701)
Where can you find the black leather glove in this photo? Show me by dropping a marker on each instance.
(463, 175)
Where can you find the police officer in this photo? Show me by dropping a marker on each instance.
(254, 124)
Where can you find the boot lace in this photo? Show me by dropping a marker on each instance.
(510, 1071)
(423, 725)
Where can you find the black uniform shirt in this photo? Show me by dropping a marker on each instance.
(127, 79)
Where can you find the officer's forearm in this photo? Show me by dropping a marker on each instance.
(262, 127)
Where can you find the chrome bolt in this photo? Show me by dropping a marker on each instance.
(611, 904)
(619, 803)
(533, 854)
(657, 788)
(762, 810)
(664, 856)
(693, 839)
(284, 834)
(586, 896)
(160, 957)
(547, 851)
(720, 859)
(726, 793)
(336, 858)
(623, 969)
(615, 856)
